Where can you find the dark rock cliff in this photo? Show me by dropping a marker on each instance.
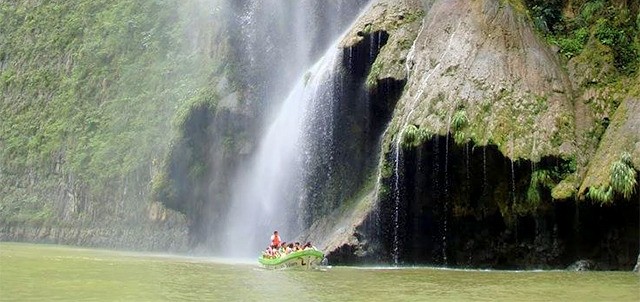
(483, 156)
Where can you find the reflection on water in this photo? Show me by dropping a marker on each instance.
(45, 272)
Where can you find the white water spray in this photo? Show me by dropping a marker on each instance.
(264, 198)
(269, 194)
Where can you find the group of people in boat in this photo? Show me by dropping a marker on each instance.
(279, 248)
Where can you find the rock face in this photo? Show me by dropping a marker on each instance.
(582, 265)
(478, 161)
(484, 58)
(622, 135)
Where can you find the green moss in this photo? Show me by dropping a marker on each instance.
(517, 5)
(374, 74)
(413, 16)
(163, 189)
(94, 86)
(367, 29)
(386, 170)
(565, 190)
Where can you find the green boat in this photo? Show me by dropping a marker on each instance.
(301, 259)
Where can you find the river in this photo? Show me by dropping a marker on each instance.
(31, 272)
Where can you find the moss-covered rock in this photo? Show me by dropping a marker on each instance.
(400, 20)
(90, 90)
(485, 57)
(622, 135)
(482, 75)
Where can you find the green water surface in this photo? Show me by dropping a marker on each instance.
(58, 273)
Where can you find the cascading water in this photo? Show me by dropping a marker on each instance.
(269, 193)
(446, 194)
(397, 200)
(485, 181)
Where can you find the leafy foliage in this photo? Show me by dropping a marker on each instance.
(539, 178)
(602, 194)
(572, 44)
(460, 137)
(623, 182)
(413, 136)
(624, 176)
(606, 22)
(546, 14)
(459, 120)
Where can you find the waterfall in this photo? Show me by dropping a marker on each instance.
(269, 193)
(265, 198)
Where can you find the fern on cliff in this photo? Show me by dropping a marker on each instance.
(601, 194)
(459, 120)
(412, 136)
(624, 176)
(622, 182)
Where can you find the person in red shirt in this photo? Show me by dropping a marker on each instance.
(275, 239)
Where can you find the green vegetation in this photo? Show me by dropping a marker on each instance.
(180, 185)
(604, 22)
(89, 91)
(538, 178)
(623, 182)
(624, 176)
(374, 74)
(601, 194)
(367, 29)
(413, 16)
(458, 122)
(546, 183)
(413, 137)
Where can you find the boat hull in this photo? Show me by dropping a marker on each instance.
(301, 260)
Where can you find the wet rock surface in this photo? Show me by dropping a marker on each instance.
(582, 265)
(461, 207)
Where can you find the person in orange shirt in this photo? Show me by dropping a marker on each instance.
(275, 239)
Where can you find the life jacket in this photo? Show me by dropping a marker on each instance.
(275, 240)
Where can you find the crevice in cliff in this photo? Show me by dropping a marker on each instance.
(359, 57)
(360, 61)
(197, 170)
(342, 162)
